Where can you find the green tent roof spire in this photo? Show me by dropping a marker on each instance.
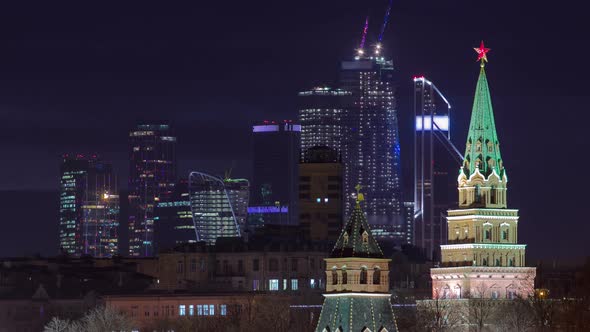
(483, 148)
(356, 239)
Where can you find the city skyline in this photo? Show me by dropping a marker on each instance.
(56, 108)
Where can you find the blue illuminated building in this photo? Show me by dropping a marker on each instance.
(275, 171)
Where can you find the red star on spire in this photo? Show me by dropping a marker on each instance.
(481, 53)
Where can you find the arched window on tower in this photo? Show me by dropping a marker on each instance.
(334, 277)
(511, 261)
(363, 276)
(376, 276)
(477, 194)
(505, 234)
(493, 197)
(487, 233)
(344, 277)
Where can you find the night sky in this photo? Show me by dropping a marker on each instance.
(77, 77)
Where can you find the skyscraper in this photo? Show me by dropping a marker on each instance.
(321, 115)
(238, 191)
(173, 219)
(89, 207)
(433, 157)
(275, 165)
(483, 244)
(211, 205)
(152, 174)
(320, 194)
(371, 152)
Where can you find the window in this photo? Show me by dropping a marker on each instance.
(493, 195)
(457, 291)
(511, 294)
(511, 262)
(344, 277)
(505, 234)
(223, 309)
(334, 277)
(312, 283)
(211, 310)
(199, 310)
(181, 310)
(202, 263)
(487, 234)
(194, 265)
(273, 284)
(284, 284)
(363, 276)
(294, 264)
(255, 285)
(206, 310)
(376, 276)
(365, 237)
(179, 267)
(225, 266)
(498, 262)
(294, 284)
(255, 264)
(484, 262)
(495, 294)
(273, 264)
(191, 310)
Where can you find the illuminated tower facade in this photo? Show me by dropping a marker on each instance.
(370, 146)
(152, 175)
(357, 294)
(483, 257)
(433, 157)
(275, 165)
(212, 209)
(89, 207)
(321, 115)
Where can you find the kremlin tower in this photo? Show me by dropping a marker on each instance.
(483, 258)
(357, 281)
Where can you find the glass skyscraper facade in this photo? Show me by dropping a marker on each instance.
(433, 157)
(152, 175)
(238, 191)
(173, 219)
(321, 115)
(275, 170)
(370, 146)
(89, 207)
(211, 206)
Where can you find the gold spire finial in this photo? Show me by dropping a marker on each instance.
(359, 196)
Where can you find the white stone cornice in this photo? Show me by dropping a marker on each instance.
(478, 216)
(510, 246)
(357, 294)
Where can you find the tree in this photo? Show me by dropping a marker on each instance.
(515, 315)
(96, 320)
(439, 314)
(57, 325)
(480, 308)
